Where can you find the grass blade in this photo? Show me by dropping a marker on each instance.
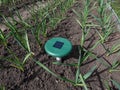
(26, 41)
(48, 70)
(78, 68)
(27, 57)
(83, 82)
(116, 84)
(114, 49)
(2, 87)
(89, 73)
(3, 38)
(65, 64)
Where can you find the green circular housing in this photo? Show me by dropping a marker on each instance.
(58, 47)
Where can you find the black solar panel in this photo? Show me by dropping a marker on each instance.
(58, 44)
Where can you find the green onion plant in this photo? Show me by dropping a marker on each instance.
(79, 78)
(104, 20)
(43, 18)
(21, 36)
(47, 18)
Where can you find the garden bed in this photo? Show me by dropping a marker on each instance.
(34, 77)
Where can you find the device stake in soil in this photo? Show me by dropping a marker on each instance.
(58, 59)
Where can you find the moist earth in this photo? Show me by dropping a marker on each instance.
(36, 78)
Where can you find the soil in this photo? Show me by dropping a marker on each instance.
(36, 78)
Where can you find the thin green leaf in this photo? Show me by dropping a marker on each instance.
(18, 67)
(27, 57)
(3, 39)
(116, 84)
(14, 60)
(78, 21)
(85, 57)
(89, 73)
(107, 85)
(22, 39)
(2, 87)
(98, 19)
(76, 13)
(114, 49)
(101, 36)
(27, 41)
(82, 80)
(95, 45)
(48, 70)
(65, 64)
(115, 64)
(78, 68)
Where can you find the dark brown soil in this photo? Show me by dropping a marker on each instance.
(36, 78)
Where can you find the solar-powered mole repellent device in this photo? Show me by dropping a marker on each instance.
(58, 47)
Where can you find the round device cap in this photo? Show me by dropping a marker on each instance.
(58, 47)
